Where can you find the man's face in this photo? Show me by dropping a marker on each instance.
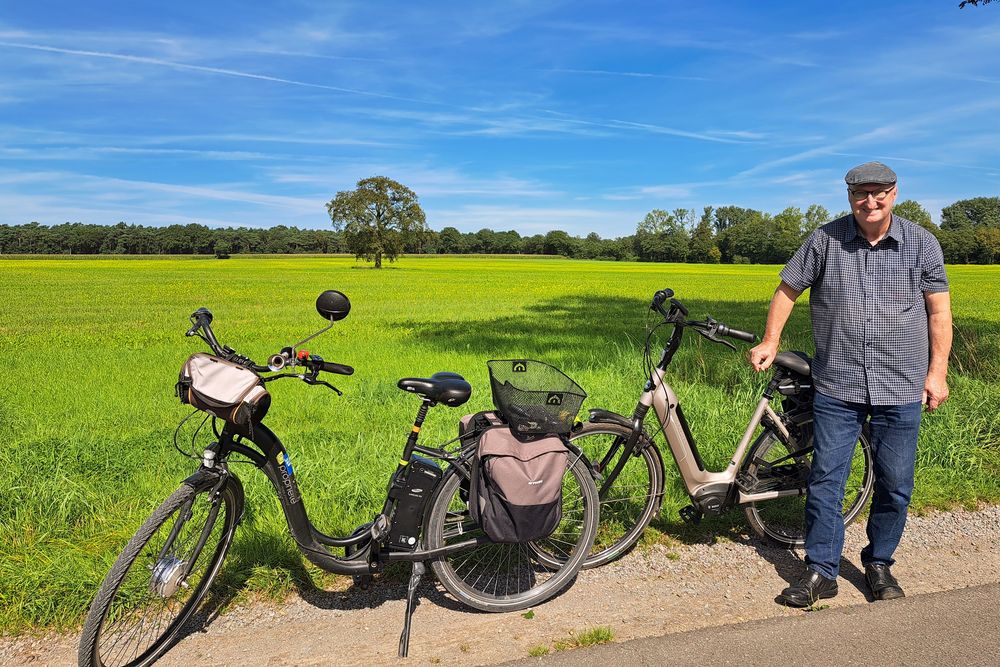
(866, 206)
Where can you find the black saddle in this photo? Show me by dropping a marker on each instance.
(448, 388)
(797, 362)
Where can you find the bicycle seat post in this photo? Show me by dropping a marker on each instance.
(411, 441)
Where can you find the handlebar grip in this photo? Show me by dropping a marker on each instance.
(661, 296)
(339, 369)
(199, 318)
(745, 336)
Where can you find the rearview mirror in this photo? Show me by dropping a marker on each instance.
(333, 305)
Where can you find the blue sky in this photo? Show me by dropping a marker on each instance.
(532, 116)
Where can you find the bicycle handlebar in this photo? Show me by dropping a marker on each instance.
(202, 321)
(660, 296)
(745, 336)
(339, 369)
(709, 327)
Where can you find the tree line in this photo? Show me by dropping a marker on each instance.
(969, 233)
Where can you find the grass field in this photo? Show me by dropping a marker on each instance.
(92, 348)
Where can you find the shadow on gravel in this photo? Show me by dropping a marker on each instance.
(389, 586)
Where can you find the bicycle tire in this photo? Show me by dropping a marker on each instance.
(142, 596)
(633, 498)
(782, 521)
(509, 577)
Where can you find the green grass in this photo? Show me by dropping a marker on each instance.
(92, 348)
(591, 637)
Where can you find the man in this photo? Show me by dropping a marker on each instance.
(881, 320)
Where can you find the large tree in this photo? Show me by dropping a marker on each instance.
(816, 215)
(703, 240)
(786, 235)
(914, 212)
(378, 218)
(662, 237)
(971, 213)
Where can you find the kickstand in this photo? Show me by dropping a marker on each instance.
(411, 602)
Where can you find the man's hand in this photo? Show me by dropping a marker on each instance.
(935, 392)
(939, 331)
(762, 356)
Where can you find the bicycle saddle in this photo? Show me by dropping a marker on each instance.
(797, 362)
(448, 388)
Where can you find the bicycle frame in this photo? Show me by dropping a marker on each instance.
(697, 480)
(712, 491)
(270, 456)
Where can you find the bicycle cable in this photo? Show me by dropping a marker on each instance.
(650, 372)
(177, 430)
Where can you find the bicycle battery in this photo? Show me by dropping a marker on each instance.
(412, 488)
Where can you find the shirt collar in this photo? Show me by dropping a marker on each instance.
(895, 230)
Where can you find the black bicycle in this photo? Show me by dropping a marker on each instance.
(167, 567)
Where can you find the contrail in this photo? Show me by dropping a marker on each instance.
(209, 70)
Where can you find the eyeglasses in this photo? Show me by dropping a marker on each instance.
(862, 195)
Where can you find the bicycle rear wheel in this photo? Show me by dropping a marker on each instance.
(782, 520)
(160, 578)
(509, 577)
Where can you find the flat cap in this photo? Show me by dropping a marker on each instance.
(870, 172)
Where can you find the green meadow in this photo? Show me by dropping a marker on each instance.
(92, 348)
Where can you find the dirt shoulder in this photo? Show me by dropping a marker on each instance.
(658, 591)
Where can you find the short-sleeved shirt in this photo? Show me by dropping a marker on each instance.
(869, 319)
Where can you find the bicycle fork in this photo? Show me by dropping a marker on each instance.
(629, 447)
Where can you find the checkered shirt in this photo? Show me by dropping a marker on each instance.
(869, 319)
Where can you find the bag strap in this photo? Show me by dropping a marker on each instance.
(473, 426)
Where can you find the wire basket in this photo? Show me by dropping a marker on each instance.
(534, 397)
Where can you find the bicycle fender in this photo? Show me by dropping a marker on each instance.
(208, 477)
(577, 452)
(599, 416)
(203, 477)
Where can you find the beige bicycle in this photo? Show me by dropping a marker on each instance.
(766, 476)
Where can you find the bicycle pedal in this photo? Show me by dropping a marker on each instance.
(690, 514)
(362, 581)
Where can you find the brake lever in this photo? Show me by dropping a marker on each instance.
(711, 333)
(311, 380)
(272, 378)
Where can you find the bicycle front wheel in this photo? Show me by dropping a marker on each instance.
(160, 578)
(509, 577)
(630, 500)
(782, 520)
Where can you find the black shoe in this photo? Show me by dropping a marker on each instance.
(808, 590)
(881, 582)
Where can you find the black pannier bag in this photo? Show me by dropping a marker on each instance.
(515, 494)
(797, 395)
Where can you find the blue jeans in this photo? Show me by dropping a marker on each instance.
(837, 426)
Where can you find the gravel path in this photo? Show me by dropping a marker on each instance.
(657, 591)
